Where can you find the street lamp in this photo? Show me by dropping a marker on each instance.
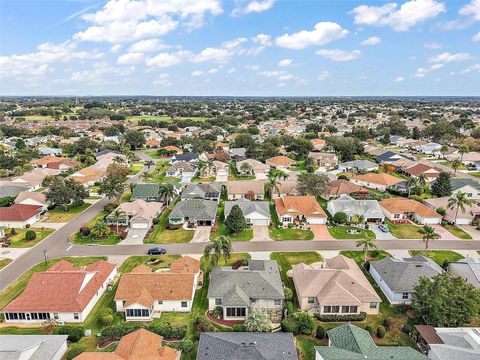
(45, 255)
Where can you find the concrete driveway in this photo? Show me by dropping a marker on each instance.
(186, 180)
(320, 232)
(202, 234)
(221, 178)
(444, 233)
(260, 233)
(380, 234)
(471, 230)
(134, 237)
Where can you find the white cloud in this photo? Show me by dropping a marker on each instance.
(130, 58)
(323, 75)
(253, 7)
(197, 73)
(339, 55)
(231, 71)
(162, 80)
(422, 71)
(475, 67)
(476, 37)
(167, 59)
(148, 45)
(447, 57)
(323, 33)
(262, 39)
(101, 73)
(432, 45)
(280, 75)
(399, 79)
(285, 62)
(472, 9)
(252, 67)
(212, 54)
(373, 40)
(400, 18)
(234, 43)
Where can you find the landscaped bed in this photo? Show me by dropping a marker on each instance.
(4, 262)
(350, 232)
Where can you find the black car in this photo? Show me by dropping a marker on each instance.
(156, 251)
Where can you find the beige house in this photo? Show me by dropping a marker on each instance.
(336, 286)
(246, 189)
(324, 159)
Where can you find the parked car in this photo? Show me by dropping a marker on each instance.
(156, 251)
(383, 228)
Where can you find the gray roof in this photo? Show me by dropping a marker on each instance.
(367, 208)
(142, 191)
(458, 343)
(238, 152)
(466, 268)
(260, 280)
(459, 183)
(202, 191)
(195, 209)
(12, 347)
(180, 165)
(12, 190)
(401, 275)
(359, 164)
(248, 207)
(246, 346)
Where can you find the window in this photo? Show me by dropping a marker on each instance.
(311, 300)
(277, 302)
(34, 316)
(160, 302)
(55, 316)
(335, 309)
(75, 316)
(253, 301)
(218, 302)
(236, 312)
(184, 304)
(353, 309)
(373, 305)
(396, 216)
(469, 195)
(405, 295)
(327, 309)
(345, 309)
(21, 316)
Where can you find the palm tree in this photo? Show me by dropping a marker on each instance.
(149, 164)
(422, 181)
(117, 215)
(130, 155)
(220, 247)
(100, 229)
(167, 192)
(443, 150)
(272, 185)
(258, 321)
(366, 244)
(118, 160)
(456, 163)
(145, 176)
(463, 149)
(131, 186)
(428, 233)
(410, 183)
(201, 168)
(246, 169)
(458, 201)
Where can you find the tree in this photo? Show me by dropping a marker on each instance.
(410, 183)
(312, 184)
(118, 170)
(149, 164)
(119, 160)
(258, 321)
(340, 218)
(134, 138)
(445, 301)
(117, 215)
(463, 149)
(458, 201)
(100, 229)
(428, 233)
(65, 191)
(167, 192)
(221, 247)
(456, 163)
(235, 221)
(366, 244)
(443, 150)
(442, 186)
(112, 186)
(246, 169)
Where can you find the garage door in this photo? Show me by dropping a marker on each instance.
(259, 221)
(139, 225)
(316, 220)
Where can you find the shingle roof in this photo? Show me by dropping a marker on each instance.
(403, 205)
(246, 346)
(18, 212)
(248, 207)
(11, 190)
(45, 346)
(141, 191)
(359, 164)
(459, 183)
(299, 206)
(381, 178)
(195, 209)
(246, 186)
(184, 157)
(194, 191)
(366, 208)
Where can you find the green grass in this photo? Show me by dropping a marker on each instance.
(358, 255)
(340, 232)
(135, 168)
(162, 235)
(208, 179)
(59, 215)
(158, 174)
(290, 234)
(455, 230)
(14, 289)
(79, 239)
(475, 173)
(4, 262)
(18, 240)
(404, 231)
(439, 256)
(306, 344)
(232, 175)
(133, 261)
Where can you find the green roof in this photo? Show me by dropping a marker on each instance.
(349, 342)
(141, 191)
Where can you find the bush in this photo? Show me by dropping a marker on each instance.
(106, 316)
(340, 218)
(366, 265)
(85, 230)
(320, 333)
(117, 331)
(74, 333)
(305, 322)
(387, 323)
(289, 308)
(75, 351)
(168, 330)
(217, 312)
(290, 325)
(343, 177)
(339, 318)
(239, 328)
(13, 231)
(156, 220)
(203, 325)
(369, 329)
(186, 346)
(30, 235)
(288, 294)
(381, 332)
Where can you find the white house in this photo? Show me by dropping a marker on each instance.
(255, 212)
(19, 215)
(468, 186)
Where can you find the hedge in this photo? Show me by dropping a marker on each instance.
(168, 331)
(74, 333)
(116, 332)
(340, 318)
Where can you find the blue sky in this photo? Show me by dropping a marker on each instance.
(243, 47)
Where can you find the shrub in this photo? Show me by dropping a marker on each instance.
(339, 318)
(305, 322)
(238, 328)
(290, 308)
(74, 333)
(106, 316)
(288, 294)
(381, 332)
(85, 230)
(343, 177)
(117, 331)
(387, 323)
(340, 218)
(217, 312)
(75, 351)
(168, 330)
(156, 221)
(441, 211)
(290, 325)
(202, 324)
(320, 333)
(13, 231)
(186, 346)
(369, 329)
(30, 235)
(375, 253)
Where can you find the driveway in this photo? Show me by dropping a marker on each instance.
(202, 234)
(186, 180)
(134, 237)
(320, 232)
(260, 233)
(380, 235)
(444, 233)
(471, 230)
(221, 178)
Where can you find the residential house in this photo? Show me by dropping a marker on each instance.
(468, 269)
(238, 154)
(151, 192)
(470, 158)
(55, 162)
(152, 143)
(108, 158)
(48, 151)
(63, 293)
(10, 190)
(430, 148)
(138, 345)
(143, 294)
(285, 187)
(206, 191)
(318, 144)
(398, 277)
(188, 158)
(324, 159)
(249, 189)
(468, 186)
(399, 210)
(246, 345)
(88, 176)
(33, 347)
(357, 166)
(465, 216)
(449, 343)
(250, 167)
(238, 291)
(303, 209)
(381, 181)
(193, 213)
(340, 187)
(32, 198)
(181, 169)
(418, 169)
(19, 215)
(351, 342)
(138, 214)
(255, 212)
(2, 232)
(336, 286)
(221, 169)
(280, 162)
(33, 179)
(387, 157)
(369, 210)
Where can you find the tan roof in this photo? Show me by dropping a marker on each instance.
(380, 179)
(279, 161)
(141, 209)
(49, 159)
(318, 142)
(298, 206)
(338, 282)
(245, 186)
(344, 187)
(88, 174)
(402, 205)
(138, 345)
(37, 196)
(185, 265)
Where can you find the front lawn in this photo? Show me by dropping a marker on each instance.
(439, 256)
(405, 231)
(60, 215)
(358, 255)
(455, 230)
(290, 234)
(18, 240)
(244, 235)
(4, 262)
(341, 232)
(135, 168)
(162, 235)
(158, 174)
(79, 239)
(153, 261)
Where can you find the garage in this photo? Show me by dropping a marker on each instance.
(141, 224)
(204, 222)
(317, 220)
(258, 221)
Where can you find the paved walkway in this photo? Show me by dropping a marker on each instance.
(328, 254)
(470, 254)
(260, 255)
(399, 254)
(260, 233)
(12, 253)
(320, 232)
(134, 237)
(202, 234)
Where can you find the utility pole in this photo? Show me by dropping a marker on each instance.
(45, 255)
